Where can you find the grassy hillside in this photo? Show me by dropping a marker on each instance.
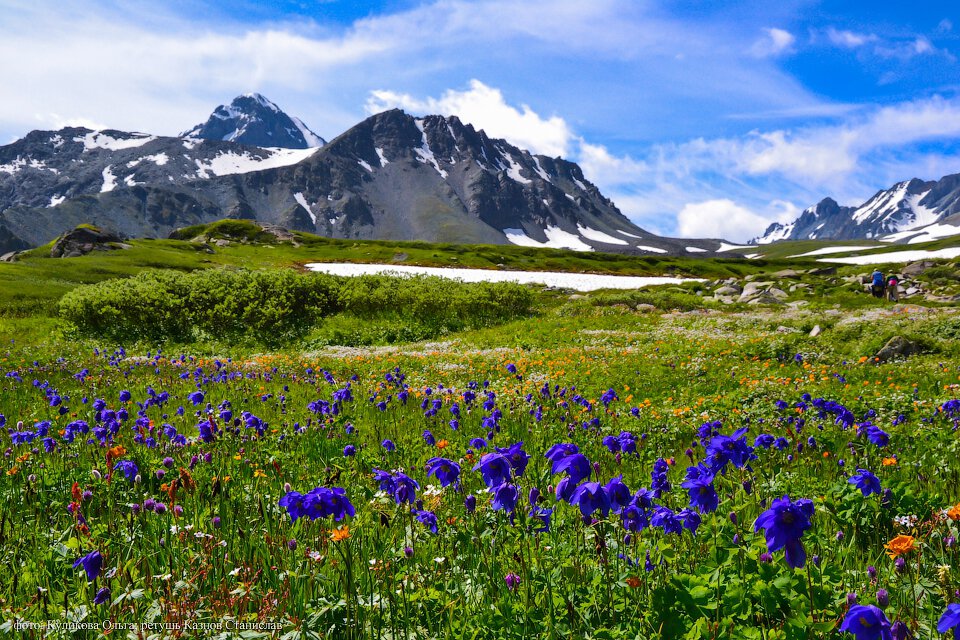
(31, 287)
(35, 282)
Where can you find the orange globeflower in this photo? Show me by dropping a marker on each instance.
(341, 533)
(899, 546)
(633, 582)
(890, 462)
(442, 444)
(954, 512)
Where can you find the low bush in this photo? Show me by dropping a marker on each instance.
(276, 306)
(271, 306)
(660, 297)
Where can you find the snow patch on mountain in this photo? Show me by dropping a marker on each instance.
(557, 238)
(897, 256)
(109, 180)
(560, 239)
(520, 238)
(231, 162)
(599, 236)
(922, 215)
(514, 170)
(158, 159)
(100, 140)
(424, 153)
(298, 196)
(312, 139)
(726, 246)
(828, 250)
(20, 163)
(927, 233)
(540, 172)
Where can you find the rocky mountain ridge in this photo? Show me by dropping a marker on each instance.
(392, 176)
(908, 212)
(253, 120)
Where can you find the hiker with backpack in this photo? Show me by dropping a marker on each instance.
(892, 288)
(878, 288)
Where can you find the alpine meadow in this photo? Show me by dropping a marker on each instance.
(604, 320)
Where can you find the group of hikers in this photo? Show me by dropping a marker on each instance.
(885, 287)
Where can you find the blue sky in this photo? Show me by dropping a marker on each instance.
(699, 118)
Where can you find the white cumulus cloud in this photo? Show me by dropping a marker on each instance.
(603, 167)
(849, 39)
(721, 218)
(485, 108)
(722, 187)
(773, 43)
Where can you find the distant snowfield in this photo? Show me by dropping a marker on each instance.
(925, 234)
(577, 281)
(100, 140)
(228, 163)
(557, 238)
(826, 250)
(897, 256)
(599, 236)
(724, 246)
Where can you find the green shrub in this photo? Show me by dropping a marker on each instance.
(148, 306)
(228, 228)
(945, 329)
(280, 305)
(270, 306)
(662, 298)
(405, 309)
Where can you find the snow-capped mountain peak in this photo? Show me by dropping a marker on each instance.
(254, 120)
(893, 215)
(392, 176)
(262, 101)
(896, 209)
(312, 139)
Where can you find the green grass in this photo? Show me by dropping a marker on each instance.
(31, 288)
(222, 549)
(679, 370)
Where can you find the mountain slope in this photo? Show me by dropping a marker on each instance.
(253, 120)
(894, 215)
(392, 176)
(52, 180)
